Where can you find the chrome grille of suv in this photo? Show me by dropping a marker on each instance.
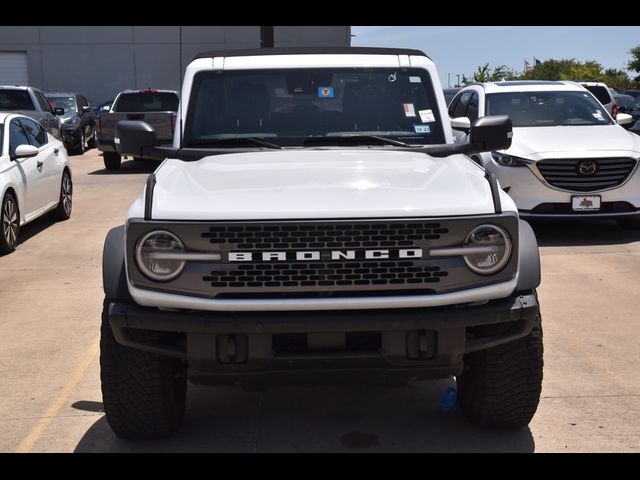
(566, 174)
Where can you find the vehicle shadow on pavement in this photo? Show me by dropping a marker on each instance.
(34, 228)
(581, 232)
(130, 166)
(356, 418)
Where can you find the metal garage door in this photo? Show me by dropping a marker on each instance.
(13, 68)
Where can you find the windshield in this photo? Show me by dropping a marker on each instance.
(15, 100)
(287, 106)
(147, 101)
(66, 102)
(548, 109)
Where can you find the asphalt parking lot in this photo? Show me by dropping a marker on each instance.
(50, 400)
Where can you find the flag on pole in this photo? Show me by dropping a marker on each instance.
(536, 61)
(527, 66)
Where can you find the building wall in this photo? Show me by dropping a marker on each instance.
(101, 61)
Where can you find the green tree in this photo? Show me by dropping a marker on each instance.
(634, 64)
(616, 78)
(486, 74)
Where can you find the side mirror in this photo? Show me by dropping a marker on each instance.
(25, 151)
(132, 136)
(58, 111)
(491, 133)
(106, 108)
(624, 119)
(86, 109)
(461, 123)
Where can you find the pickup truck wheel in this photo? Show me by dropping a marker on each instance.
(500, 387)
(632, 223)
(9, 224)
(143, 393)
(111, 160)
(65, 202)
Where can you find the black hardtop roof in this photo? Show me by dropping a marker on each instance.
(311, 51)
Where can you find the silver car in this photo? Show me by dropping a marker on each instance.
(31, 102)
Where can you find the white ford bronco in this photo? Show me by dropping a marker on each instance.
(313, 221)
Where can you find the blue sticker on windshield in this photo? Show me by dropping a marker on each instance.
(325, 92)
(422, 129)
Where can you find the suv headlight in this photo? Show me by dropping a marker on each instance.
(509, 160)
(153, 255)
(494, 251)
(73, 123)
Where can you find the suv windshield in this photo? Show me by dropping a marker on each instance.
(548, 109)
(287, 106)
(67, 102)
(15, 100)
(147, 101)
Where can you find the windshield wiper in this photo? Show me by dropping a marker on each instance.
(357, 139)
(223, 141)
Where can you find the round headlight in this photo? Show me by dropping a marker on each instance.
(496, 253)
(153, 255)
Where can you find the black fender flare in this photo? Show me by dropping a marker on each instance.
(529, 265)
(114, 275)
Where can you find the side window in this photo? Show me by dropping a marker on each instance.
(452, 105)
(461, 108)
(17, 136)
(35, 132)
(472, 108)
(82, 102)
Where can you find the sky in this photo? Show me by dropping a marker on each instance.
(460, 50)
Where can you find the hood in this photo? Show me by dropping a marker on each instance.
(68, 116)
(302, 184)
(536, 143)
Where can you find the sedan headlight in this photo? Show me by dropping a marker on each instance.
(489, 249)
(509, 160)
(155, 255)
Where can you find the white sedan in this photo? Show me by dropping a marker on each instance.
(35, 177)
(568, 158)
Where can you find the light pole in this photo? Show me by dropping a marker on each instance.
(458, 75)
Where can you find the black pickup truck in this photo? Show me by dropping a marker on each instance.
(156, 107)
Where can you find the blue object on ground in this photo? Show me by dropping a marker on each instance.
(449, 400)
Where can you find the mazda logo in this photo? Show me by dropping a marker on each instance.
(587, 168)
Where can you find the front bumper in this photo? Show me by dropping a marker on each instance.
(71, 137)
(281, 347)
(536, 198)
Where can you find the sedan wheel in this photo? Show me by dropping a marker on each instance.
(10, 223)
(65, 204)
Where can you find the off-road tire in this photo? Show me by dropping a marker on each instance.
(92, 143)
(143, 393)
(500, 387)
(112, 160)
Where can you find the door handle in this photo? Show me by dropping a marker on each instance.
(39, 164)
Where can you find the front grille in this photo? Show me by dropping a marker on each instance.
(566, 173)
(348, 235)
(320, 274)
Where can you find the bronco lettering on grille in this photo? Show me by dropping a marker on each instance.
(318, 255)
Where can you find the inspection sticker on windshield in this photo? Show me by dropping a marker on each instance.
(415, 80)
(598, 116)
(426, 116)
(424, 129)
(409, 110)
(325, 92)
